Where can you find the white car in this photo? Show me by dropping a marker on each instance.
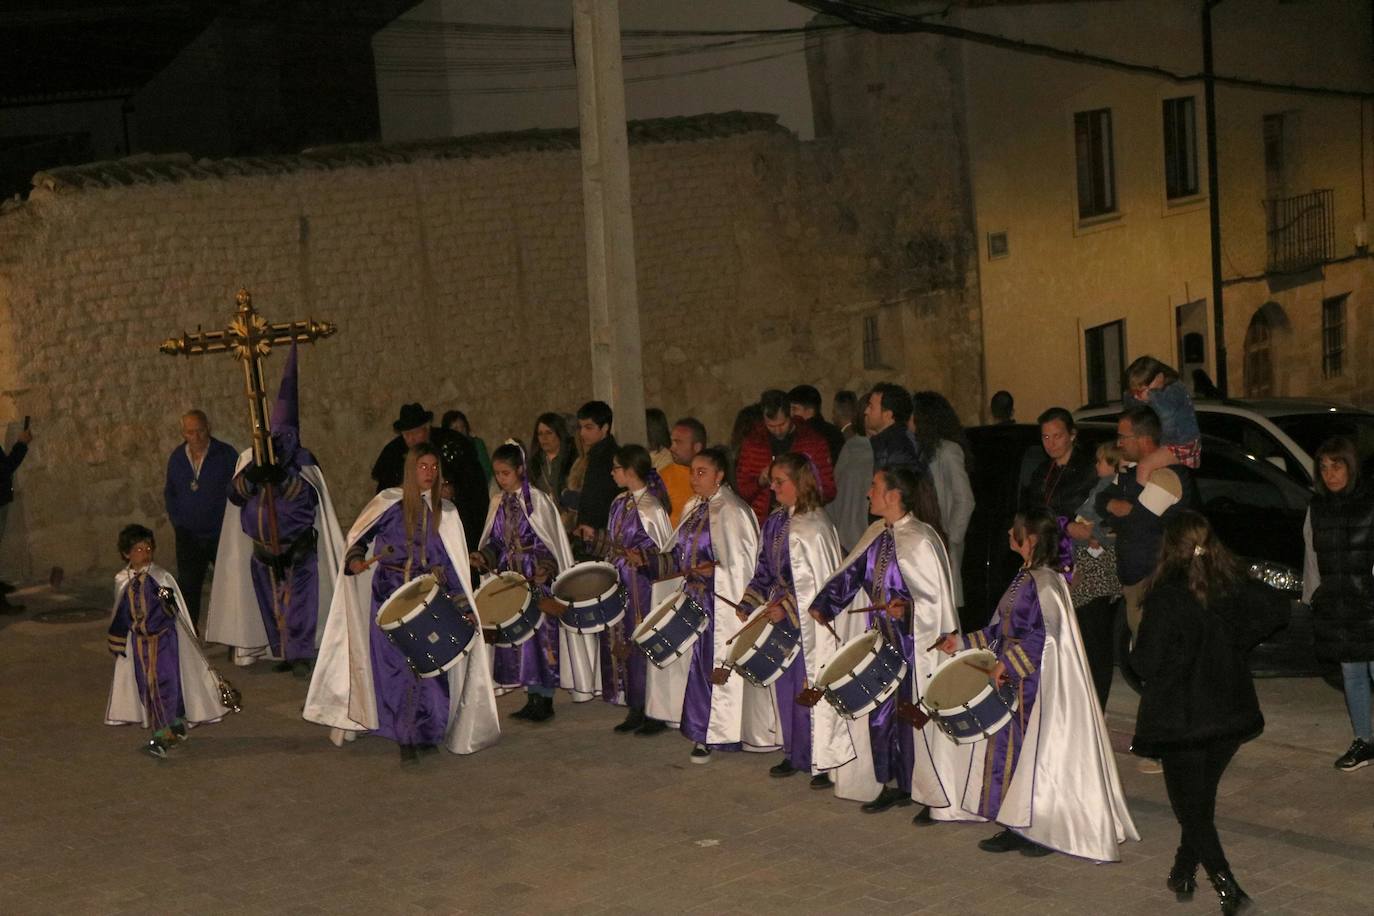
(1283, 431)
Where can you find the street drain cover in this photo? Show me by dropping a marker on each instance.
(71, 615)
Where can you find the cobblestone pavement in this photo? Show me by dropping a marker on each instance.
(262, 814)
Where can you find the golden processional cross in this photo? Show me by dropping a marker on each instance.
(250, 337)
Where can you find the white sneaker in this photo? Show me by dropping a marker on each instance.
(1149, 766)
(700, 754)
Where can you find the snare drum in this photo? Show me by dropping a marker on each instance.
(506, 604)
(862, 674)
(593, 595)
(428, 625)
(671, 629)
(963, 700)
(763, 650)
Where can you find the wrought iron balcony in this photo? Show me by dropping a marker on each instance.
(1301, 230)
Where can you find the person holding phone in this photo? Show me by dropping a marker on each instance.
(9, 463)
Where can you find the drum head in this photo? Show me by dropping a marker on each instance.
(405, 599)
(958, 680)
(843, 662)
(748, 636)
(502, 598)
(660, 613)
(586, 582)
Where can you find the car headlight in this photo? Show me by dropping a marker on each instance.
(1277, 576)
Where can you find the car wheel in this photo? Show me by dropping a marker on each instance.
(1121, 640)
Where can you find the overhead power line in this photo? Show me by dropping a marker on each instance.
(888, 22)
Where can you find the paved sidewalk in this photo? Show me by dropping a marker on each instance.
(262, 814)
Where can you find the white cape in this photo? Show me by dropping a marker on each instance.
(940, 770)
(341, 692)
(813, 553)
(199, 685)
(740, 712)
(1066, 793)
(579, 660)
(234, 618)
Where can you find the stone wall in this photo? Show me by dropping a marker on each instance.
(455, 272)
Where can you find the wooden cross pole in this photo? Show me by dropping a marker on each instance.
(250, 337)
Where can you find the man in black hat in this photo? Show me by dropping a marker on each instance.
(457, 455)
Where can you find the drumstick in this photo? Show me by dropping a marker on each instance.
(377, 558)
(987, 671)
(935, 645)
(865, 610)
(510, 584)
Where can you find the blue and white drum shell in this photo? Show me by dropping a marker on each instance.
(763, 650)
(671, 629)
(506, 605)
(593, 594)
(428, 625)
(963, 700)
(862, 674)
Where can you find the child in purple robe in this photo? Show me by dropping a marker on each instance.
(636, 533)
(150, 686)
(144, 619)
(513, 541)
(1016, 634)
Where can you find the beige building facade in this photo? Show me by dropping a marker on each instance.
(1089, 186)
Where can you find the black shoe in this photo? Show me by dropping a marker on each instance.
(700, 754)
(1034, 850)
(531, 702)
(887, 798)
(409, 756)
(1182, 881)
(282, 666)
(633, 720)
(923, 818)
(821, 781)
(303, 668)
(1233, 899)
(1003, 841)
(543, 709)
(426, 749)
(5, 588)
(783, 769)
(179, 730)
(651, 727)
(1361, 754)
(7, 608)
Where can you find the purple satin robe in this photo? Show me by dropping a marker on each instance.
(288, 598)
(692, 548)
(410, 709)
(147, 627)
(876, 571)
(1017, 635)
(533, 663)
(772, 582)
(623, 681)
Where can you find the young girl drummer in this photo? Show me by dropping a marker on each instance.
(523, 534)
(638, 530)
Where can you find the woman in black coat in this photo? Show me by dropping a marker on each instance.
(1340, 585)
(1202, 616)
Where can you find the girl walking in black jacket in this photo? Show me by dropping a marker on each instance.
(1202, 616)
